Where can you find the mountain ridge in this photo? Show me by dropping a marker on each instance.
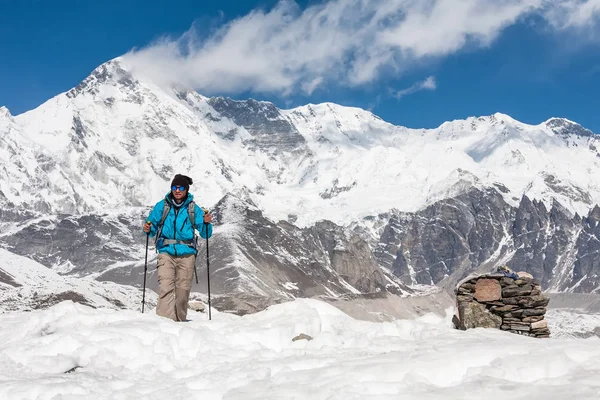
(323, 194)
(112, 107)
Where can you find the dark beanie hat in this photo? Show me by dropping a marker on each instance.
(182, 180)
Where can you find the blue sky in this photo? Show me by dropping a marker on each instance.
(413, 63)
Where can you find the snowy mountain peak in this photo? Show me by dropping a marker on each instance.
(4, 112)
(329, 124)
(495, 123)
(565, 127)
(499, 118)
(333, 110)
(111, 73)
(315, 160)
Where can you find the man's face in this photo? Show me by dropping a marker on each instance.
(178, 192)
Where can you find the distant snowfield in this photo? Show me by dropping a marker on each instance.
(127, 355)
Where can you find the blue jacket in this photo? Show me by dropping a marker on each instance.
(178, 227)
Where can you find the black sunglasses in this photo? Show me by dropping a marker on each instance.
(174, 188)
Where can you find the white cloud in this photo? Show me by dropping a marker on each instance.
(341, 42)
(574, 14)
(427, 84)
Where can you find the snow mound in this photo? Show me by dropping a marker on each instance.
(73, 351)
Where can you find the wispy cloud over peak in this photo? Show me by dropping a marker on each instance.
(349, 43)
(426, 84)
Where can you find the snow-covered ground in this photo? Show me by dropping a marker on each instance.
(126, 355)
(573, 323)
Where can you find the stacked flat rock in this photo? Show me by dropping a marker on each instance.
(498, 301)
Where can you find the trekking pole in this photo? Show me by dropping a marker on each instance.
(195, 247)
(145, 271)
(195, 273)
(207, 265)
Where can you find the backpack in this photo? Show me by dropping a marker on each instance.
(192, 216)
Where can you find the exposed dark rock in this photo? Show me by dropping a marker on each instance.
(90, 243)
(475, 315)
(263, 121)
(564, 128)
(513, 290)
(464, 298)
(49, 300)
(8, 279)
(116, 302)
(475, 230)
(502, 309)
(335, 190)
(517, 327)
(532, 312)
(324, 254)
(242, 304)
(533, 319)
(302, 336)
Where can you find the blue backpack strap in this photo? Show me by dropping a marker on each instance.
(192, 213)
(192, 217)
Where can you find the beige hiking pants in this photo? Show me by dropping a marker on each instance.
(175, 282)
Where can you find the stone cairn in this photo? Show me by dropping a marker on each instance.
(499, 301)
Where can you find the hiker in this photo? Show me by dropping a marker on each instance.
(176, 246)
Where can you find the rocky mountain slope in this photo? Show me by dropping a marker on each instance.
(320, 200)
